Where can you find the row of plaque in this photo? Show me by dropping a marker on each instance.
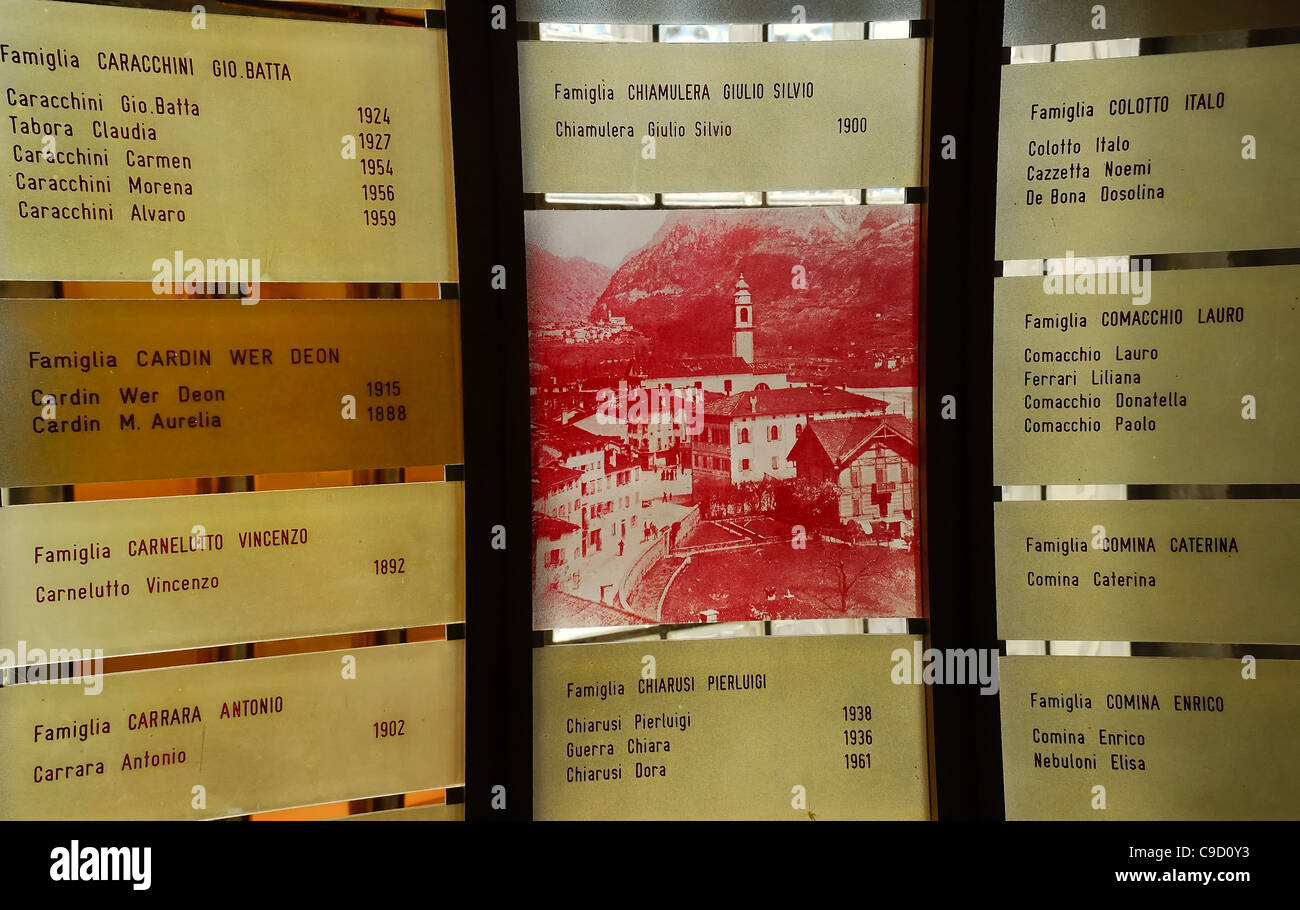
(638, 730)
(1140, 155)
(659, 730)
(1105, 371)
(218, 154)
(791, 728)
(1109, 371)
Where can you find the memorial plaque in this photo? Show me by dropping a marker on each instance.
(298, 151)
(1164, 738)
(1054, 21)
(1150, 570)
(1185, 379)
(131, 390)
(1184, 152)
(223, 739)
(137, 575)
(697, 11)
(713, 117)
(759, 728)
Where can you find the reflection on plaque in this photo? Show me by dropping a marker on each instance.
(695, 11)
(760, 728)
(711, 117)
(756, 455)
(137, 575)
(1183, 152)
(296, 151)
(383, 4)
(128, 390)
(1054, 21)
(1149, 738)
(1153, 570)
(216, 740)
(442, 812)
(1146, 377)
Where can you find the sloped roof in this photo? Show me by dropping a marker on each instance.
(695, 366)
(564, 440)
(551, 528)
(554, 475)
(802, 400)
(844, 439)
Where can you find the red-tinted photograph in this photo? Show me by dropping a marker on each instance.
(722, 407)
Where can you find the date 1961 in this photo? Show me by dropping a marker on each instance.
(857, 736)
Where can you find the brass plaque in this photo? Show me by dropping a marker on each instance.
(761, 116)
(1172, 153)
(758, 728)
(1054, 21)
(215, 740)
(139, 389)
(305, 151)
(1192, 386)
(440, 812)
(1165, 738)
(699, 11)
(136, 575)
(1148, 570)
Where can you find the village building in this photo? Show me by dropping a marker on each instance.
(749, 436)
(873, 462)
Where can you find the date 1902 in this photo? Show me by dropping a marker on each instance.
(386, 729)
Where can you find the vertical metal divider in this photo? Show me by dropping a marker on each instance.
(484, 73)
(956, 340)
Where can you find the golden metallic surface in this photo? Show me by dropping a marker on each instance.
(1214, 745)
(250, 117)
(1148, 570)
(306, 733)
(165, 372)
(1171, 402)
(776, 750)
(774, 143)
(1213, 199)
(131, 576)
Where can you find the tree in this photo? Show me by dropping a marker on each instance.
(803, 501)
(845, 580)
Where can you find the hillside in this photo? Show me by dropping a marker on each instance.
(860, 262)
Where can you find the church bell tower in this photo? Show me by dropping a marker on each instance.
(742, 332)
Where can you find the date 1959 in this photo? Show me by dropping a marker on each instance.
(376, 137)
